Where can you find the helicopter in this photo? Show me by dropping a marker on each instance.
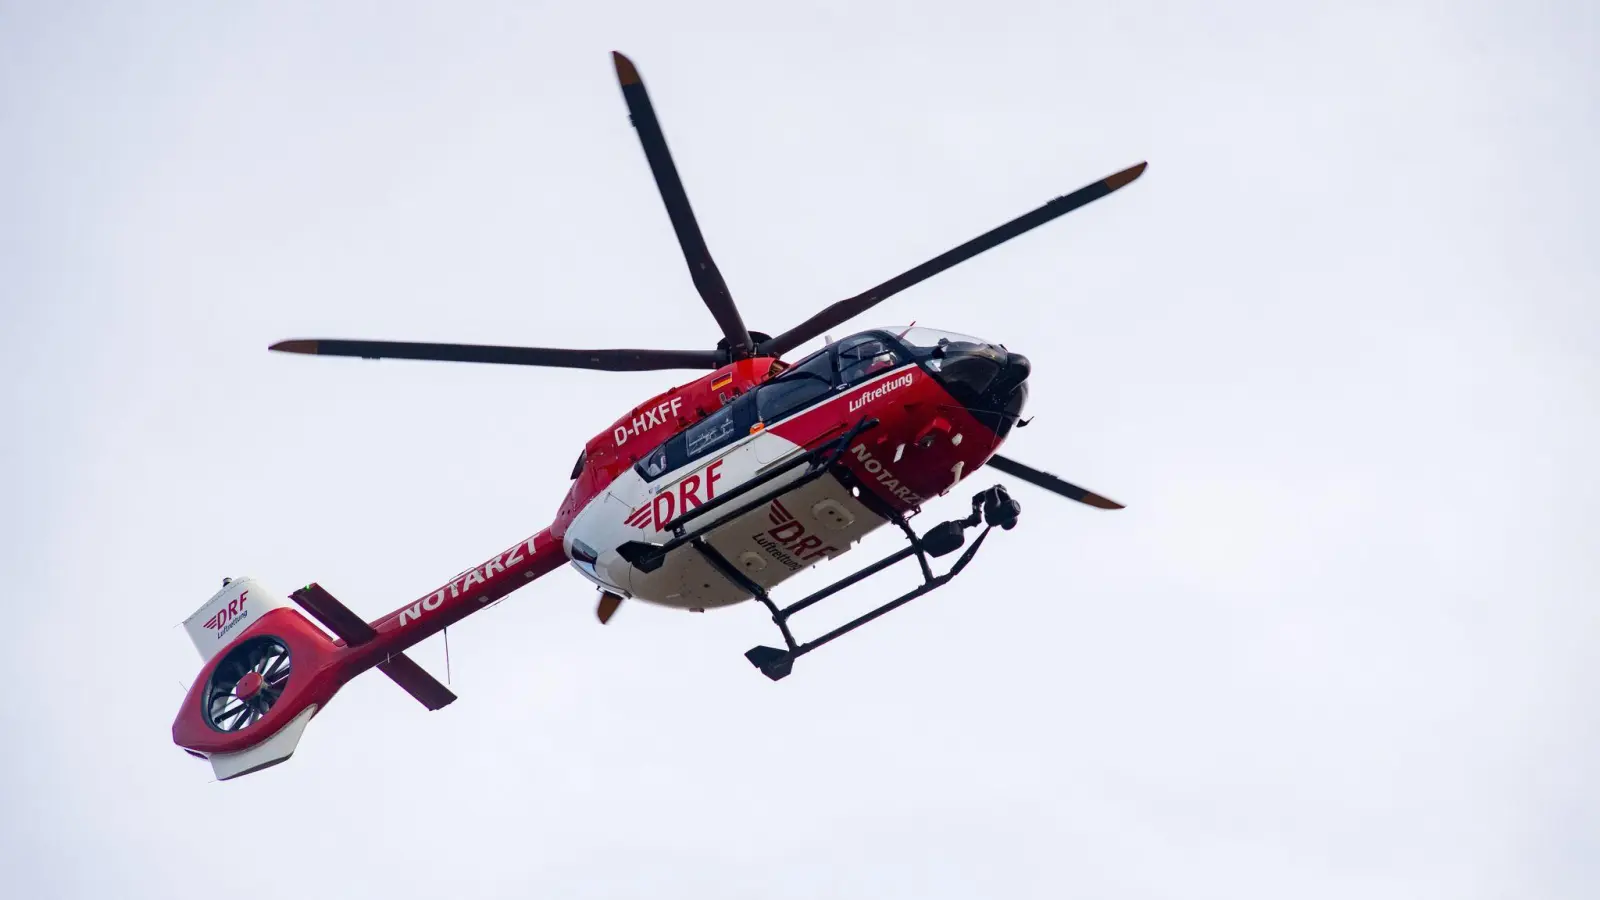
(709, 494)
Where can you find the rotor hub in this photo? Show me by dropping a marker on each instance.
(756, 340)
(249, 686)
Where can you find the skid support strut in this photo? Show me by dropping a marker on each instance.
(989, 508)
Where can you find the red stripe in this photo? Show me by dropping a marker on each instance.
(779, 515)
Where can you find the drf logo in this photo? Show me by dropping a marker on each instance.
(226, 615)
(677, 499)
(787, 541)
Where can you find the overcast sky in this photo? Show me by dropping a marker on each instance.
(1336, 351)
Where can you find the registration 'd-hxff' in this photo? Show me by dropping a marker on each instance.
(709, 494)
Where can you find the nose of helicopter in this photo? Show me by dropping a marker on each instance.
(1008, 394)
(990, 381)
(1016, 375)
(985, 377)
(1016, 370)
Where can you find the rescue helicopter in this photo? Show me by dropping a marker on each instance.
(709, 494)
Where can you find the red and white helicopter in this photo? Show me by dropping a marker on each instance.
(709, 494)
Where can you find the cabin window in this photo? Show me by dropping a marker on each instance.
(709, 433)
(703, 438)
(719, 429)
(800, 386)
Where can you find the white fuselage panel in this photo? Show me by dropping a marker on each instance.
(769, 543)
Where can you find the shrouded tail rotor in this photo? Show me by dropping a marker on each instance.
(246, 683)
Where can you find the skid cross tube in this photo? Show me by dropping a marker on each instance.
(776, 664)
(841, 584)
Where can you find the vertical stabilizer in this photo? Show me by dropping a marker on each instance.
(241, 603)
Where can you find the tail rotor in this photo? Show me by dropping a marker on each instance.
(246, 683)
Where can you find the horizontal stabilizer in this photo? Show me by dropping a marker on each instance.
(416, 681)
(339, 619)
(342, 621)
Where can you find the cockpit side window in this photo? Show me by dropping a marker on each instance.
(864, 355)
(798, 387)
(577, 468)
(657, 462)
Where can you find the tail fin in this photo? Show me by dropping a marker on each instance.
(239, 604)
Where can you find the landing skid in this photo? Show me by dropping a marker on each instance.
(989, 508)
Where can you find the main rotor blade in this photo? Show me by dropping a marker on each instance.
(605, 360)
(707, 278)
(1051, 483)
(844, 310)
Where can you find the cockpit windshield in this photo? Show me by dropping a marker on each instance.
(931, 346)
(920, 338)
(924, 341)
(800, 385)
(863, 356)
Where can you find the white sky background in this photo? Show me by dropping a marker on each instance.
(1336, 351)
